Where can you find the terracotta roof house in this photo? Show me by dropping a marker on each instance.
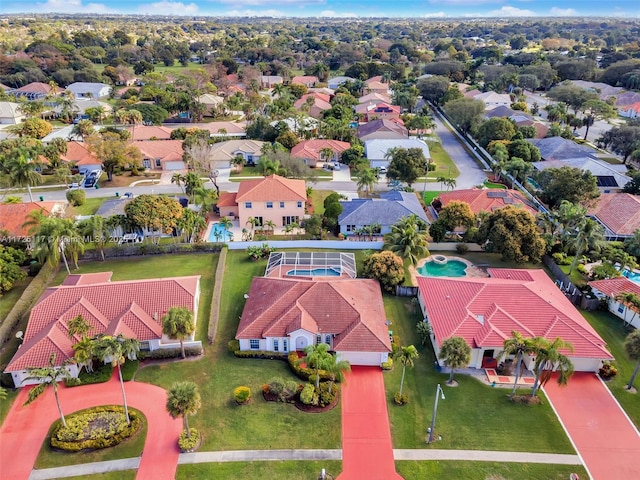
(281, 200)
(384, 211)
(223, 152)
(381, 129)
(484, 312)
(630, 111)
(308, 81)
(14, 215)
(223, 129)
(149, 132)
(375, 150)
(627, 98)
(161, 154)
(483, 200)
(310, 151)
(269, 81)
(618, 213)
(287, 314)
(320, 104)
(36, 91)
(133, 308)
(611, 288)
(376, 87)
(79, 154)
(11, 114)
(376, 111)
(89, 89)
(375, 98)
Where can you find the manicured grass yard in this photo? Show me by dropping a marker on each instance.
(428, 196)
(90, 207)
(255, 470)
(445, 167)
(613, 332)
(124, 475)
(12, 296)
(486, 470)
(473, 416)
(317, 199)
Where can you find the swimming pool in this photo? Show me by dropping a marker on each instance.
(218, 233)
(453, 268)
(316, 272)
(633, 276)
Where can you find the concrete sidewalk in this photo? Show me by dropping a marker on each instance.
(487, 456)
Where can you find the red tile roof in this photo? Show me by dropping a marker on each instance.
(318, 101)
(485, 199)
(149, 132)
(227, 199)
(163, 150)
(37, 87)
(305, 79)
(619, 212)
(14, 215)
(273, 187)
(311, 148)
(134, 307)
(79, 153)
(350, 309)
(484, 311)
(613, 286)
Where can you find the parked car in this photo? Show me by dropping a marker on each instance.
(383, 170)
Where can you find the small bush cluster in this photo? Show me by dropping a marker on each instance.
(462, 248)
(233, 346)
(258, 252)
(99, 374)
(94, 428)
(260, 354)
(283, 390)
(187, 444)
(76, 197)
(400, 399)
(305, 373)
(242, 394)
(582, 269)
(607, 371)
(320, 397)
(160, 353)
(561, 258)
(388, 365)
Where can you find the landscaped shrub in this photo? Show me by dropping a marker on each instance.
(582, 269)
(76, 197)
(561, 258)
(260, 354)
(305, 373)
(388, 365)
(462, 248)
(187, 444)
(283, 390)
(327, 392)
(242, 394)
(607, 371)
(99, 374)
(97, 427)
(308, 395)
(160, 353)
(261, 251)
(401, 399)
(233, 346)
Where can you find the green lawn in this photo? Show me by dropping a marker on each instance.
(578, 279)
(317, 199)
(445, 167)
(90, 207)
(428, 196)
(445, 470)
(259, 425)
(5, 405)
(258, 470)
(130, 448)
(489, 184)
(123, 475)
(613, 332)
(8, 299)
(473, 416)
(255, 172)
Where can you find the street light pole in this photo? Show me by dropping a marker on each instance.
(435, 411)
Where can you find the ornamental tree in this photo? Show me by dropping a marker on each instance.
(155, 213)
(386, 267)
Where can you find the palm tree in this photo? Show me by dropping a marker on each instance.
(20, 169)
(183, 399)
(589, 234)
(406, 356)
(337, 369)
(130, 117)
(226, 223)
(192, 183)
(456, 353)
(270, 226)
(632, 349)
(327, 154)
(83, 353)
(116, 350)
(48, 376)
(549, 359)
(178, 179)
(367, 180)
(318, 358)
(178, 323)
(631, 301)
(96, 228)
(77, 325)
(55, 238)
(450, 183)
(519, 346)
(408, 239)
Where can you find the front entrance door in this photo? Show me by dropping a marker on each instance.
(301, 343)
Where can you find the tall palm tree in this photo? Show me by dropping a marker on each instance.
(183, 399)
(20, 168)
(318, 358)
(178, 323)
(456, 353)
(519, 346)
(337, 369)
(589, 234)
(48, 376)
(178, 179)
(367, 180)
(408, 239)
(83, 353)
(406, 356)
(78, 326)
(116, 350)
(549, 359)
(55, 238)
(270, 225)
(632, 349)
(95, 227)
(632, 302)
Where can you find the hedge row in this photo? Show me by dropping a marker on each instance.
(305, 373)
(161, 353)
(30, 295)
(214, 315)
(260, 354)
(151, 249)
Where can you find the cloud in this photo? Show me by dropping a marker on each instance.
(259, 3)
(72, 6)
(465, 2)
(333, 13)
(254, 13)
(508, 11)
(167, 7)
(562, 12)
(435, 15)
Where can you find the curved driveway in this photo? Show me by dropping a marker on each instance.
(25, 428)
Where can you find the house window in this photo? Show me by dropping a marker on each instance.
(351, 228)
(269, 204)
(285, 345)
(276, 346)
(299, 204)
(254, 344)
(146, 163)
(281, 204)
(158, 163)
(250, 160)
(327, 339)
(318, 339)
(247, 205)
(289, 220)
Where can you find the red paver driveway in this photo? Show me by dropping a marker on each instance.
(367, 452)
(607, 441)
(25, 428)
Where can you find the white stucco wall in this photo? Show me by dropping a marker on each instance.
(374, 359)
(624, 313)
(19, 378)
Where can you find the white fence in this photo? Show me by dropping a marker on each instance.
(344, 245)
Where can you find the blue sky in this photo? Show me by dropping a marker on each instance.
(335, 8)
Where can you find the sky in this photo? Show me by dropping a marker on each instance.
(335, 8)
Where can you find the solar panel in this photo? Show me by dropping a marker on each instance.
(606, 181)
(508, 201)
(500, 194)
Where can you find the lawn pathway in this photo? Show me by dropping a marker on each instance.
(25, 428)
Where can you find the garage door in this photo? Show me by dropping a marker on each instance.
(360, 358)
(174, 165)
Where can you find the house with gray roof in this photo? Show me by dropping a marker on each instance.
(335, 82)
(89, 90)
(375, 150)
(558, 148)
(610, 178)
(384, 211)
(382, 129)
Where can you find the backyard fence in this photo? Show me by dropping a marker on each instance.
(562, 280)
(402, 291)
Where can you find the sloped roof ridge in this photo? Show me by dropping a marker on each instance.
(587, 335)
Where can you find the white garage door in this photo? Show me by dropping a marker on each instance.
(360, 358)
(174, 165)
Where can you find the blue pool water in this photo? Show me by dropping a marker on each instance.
(218, 233)
(453, 268)
(633, 276)
(316, 272)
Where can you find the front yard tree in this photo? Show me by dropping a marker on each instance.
(318, 358)
(116, 350)
(337, 369)
(178, 323)
(407, 164)
(465, 113)
(114, 152)
(549, 360)
(55, 238)
(95, 228)
(367, 180)
(183, 399)
(386, 267)
(456, 353)
(406, 356)
(512, 232)
(19, 167)
(155, 213)
(519, 346)
(408, 239)
(497, 128)
(567, 183)
(632, 349)
(48, 376)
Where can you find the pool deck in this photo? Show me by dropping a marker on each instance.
(471, 270)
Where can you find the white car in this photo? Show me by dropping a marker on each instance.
(383, 170)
